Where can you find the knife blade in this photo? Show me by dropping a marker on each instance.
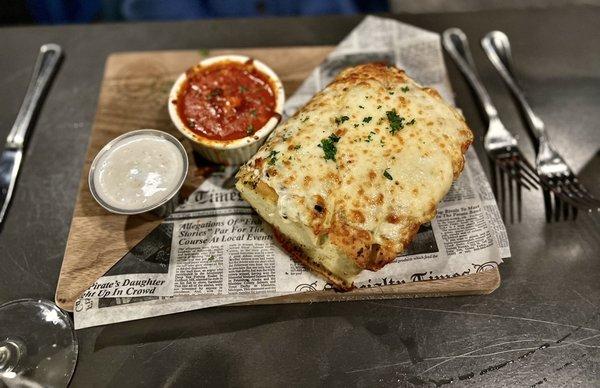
(10, 160)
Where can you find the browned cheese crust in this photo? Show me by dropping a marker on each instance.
(355, 172)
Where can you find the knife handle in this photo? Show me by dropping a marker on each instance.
(45, 67)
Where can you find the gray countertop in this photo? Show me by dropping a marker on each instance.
(542, 326)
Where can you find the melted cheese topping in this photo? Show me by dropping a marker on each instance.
(361, 166)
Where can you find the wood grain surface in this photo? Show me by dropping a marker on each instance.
(134, 96)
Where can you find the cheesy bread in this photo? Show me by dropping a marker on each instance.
(347, 181)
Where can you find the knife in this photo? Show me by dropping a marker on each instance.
(10, 160)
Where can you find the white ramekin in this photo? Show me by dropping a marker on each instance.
(229, 152)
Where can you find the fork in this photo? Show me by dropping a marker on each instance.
(557, 179)
(510, 171)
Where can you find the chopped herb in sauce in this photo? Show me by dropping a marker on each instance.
(355, 125)
(297, 146)
(253, 112)
(341, 119)
(243, 89)
(250, 129)
(367, 119)
(328, 146)
(305, 119)
(387, 174)
(396, 122)
(405, 89)
(370, 137)
(273, 157)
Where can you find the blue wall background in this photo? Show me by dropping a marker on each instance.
(86, 11)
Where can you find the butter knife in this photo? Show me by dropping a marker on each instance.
(10, 160)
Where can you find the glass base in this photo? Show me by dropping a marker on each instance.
(37, 344)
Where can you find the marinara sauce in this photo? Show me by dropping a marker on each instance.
(226, 101)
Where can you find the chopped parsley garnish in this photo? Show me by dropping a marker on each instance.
(391, 93)
(370, 137)
(273, 157)
(250, 129)
(305, 119)
(243, 89)
(328, 146)
(361, 107)
(387, 174)
(405, 89)
(341, 119)
(378, 106)
(355, 125)
(396, 122)
(253, 112)
(411, 122)
(381, 142)
(297, 146)
(367, 119)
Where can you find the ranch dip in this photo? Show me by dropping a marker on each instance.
(138, 171)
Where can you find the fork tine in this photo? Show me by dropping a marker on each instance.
(510, 180)
(518, 189)
(571, 195)
(515, 173)
(565, 212)
(528, 165)
(502, 193)
(557, 204)
(547, 204)
(519, 201)
(568, 191)
(582, 192)
(554, 205)
(529, 170)
(516, 168)
(580, 187)
(529, 183)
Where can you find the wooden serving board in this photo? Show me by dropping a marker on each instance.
(133, 96)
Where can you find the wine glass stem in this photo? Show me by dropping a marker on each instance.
(11, 351)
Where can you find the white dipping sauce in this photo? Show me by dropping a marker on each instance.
(139, 172)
